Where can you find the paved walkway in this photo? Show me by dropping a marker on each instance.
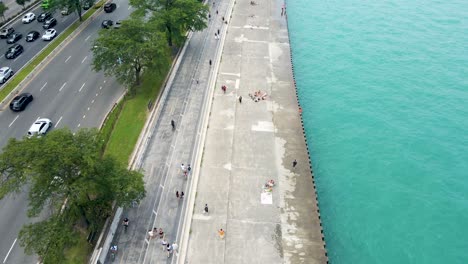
(248, 144)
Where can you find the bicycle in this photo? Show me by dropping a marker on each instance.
(125, 224)
(113, 251)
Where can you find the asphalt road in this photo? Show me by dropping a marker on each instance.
(71, 94)
(31, 48)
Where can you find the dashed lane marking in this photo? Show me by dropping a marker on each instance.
(13, 121)
(67, 59)
(81, 87)
(43, 86)
(60, 119)
(84, 59)
(84, 116)
(63, 85)
(79, 125)
(86, 39)
(9, 251)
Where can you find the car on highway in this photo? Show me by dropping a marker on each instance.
(49, 34)
(14, 51)
(28, 18)
(15, 36)
(6, 32)
(5, 74)
(44, 16)
(40, 127)
(20, 102)
(110, 7)
(88, 4)
(66, 11)
(49, 23)
(32, 36)
(107, 23)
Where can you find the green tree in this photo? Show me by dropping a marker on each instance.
(174, 17)
(127, 51)
(72, 6)
(3, 9)
(66, 174)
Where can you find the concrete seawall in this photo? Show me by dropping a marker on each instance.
(250, 142)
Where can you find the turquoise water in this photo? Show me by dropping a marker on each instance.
(384, 89)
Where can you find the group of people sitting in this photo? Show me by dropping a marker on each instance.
(257, 96)
(268, 187)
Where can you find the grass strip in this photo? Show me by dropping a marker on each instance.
(23, 73)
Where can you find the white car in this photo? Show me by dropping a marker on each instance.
(49, 34)
(5, 74)
(40, 127)
(28, 18)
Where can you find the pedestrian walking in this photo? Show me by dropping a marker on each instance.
(181, 195)
(221, 233)
(174, 248)
(240, 99)
(189, 168)
(169, 249)
(218, 31)
(223, 18)
(224, 88)
(173, 124)
(177, 194)
(205, 210)
(182, 166)
(216, 36)
(161, 233)
(125, 223)
(294, 163)
(209, 16)
(210, 62)
(152, 233)
(164, 244)
(185, 174)
(216, 11)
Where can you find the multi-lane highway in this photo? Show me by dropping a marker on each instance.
(71, 94)
(31, 48)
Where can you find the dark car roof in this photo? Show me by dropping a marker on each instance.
(109, 4)
(22, 95)
(33, 32)
(15, 46)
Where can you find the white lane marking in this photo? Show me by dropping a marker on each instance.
(81, 87)
(86, 39)
(88, 108)
(65, 19)
(97, 94)
(60, 119)
(92, 102)
(15, 59)
(84, 59)
(43, 86)
(237, 83)
(104, 81)
(9, 251)
(129, 7)
(100, 88)
(63, 85)
(13, 121)
(79, 125)
(67, 59)
(84, 116)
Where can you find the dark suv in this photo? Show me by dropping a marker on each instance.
(20, 102)
(109, 7)
(14, 51)
(44, 16)
(49, 23)
(6, 32)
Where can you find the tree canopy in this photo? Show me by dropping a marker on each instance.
(127, 51)
(66, 174)
(174, 17)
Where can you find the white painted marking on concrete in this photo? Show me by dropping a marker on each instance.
(100, 87)
(43, 86)
(81, 87)
(67, 59)
(60, 119)
(63, 85)
(84, 116)
(13, 121)
(65, 19)
(237, 83)
(160, 185)
(97, 94)
(86, 39)
(229, 73)
(79, 125)
(92, 102)
(264, 126)
(88, 108)
(84, 59)
(9, 251)
(154, 212)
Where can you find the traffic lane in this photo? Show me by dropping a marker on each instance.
(31, 48)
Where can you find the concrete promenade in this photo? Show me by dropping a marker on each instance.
(248, 143)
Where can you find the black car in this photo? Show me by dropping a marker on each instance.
(107, 23)
(44, 16)
(14, 51)
(87, 5)
(15, 36)
(32, 36)
(49, 23)
(6, 32)
(109, 7)
(20, 102)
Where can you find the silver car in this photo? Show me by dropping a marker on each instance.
(5, 74)
(40, 127)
